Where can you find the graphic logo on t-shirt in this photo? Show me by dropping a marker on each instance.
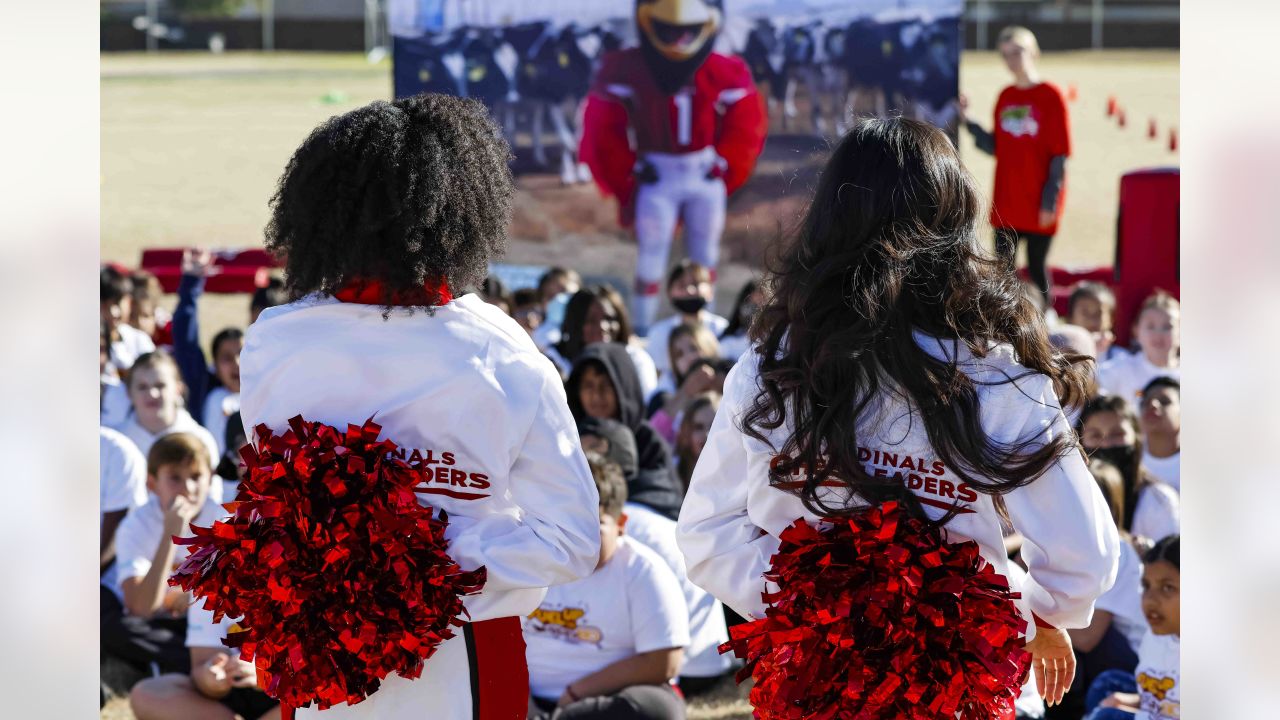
(563, 624)
(1018, 120)
(1156, 696)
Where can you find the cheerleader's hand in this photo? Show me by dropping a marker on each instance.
(1052, 662)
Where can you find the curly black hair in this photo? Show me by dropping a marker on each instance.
(401, 193)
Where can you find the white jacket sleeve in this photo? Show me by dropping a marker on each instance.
(725, 553)
(557, 538)
(1071, 545)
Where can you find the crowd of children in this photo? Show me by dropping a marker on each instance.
(636, 634)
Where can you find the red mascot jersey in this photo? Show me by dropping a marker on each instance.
(720, 107)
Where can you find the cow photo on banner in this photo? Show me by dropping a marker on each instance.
(666, 105)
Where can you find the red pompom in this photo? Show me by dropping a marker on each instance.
(880, 618)
(340, 576)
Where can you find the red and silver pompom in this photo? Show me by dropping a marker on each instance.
(880, 618)
(340, 576)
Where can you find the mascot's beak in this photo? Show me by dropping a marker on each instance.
(678, 28)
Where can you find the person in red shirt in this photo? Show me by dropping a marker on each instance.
(670, 129)
(1031, 140)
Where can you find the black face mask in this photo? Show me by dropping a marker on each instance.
(689, 305)
(1120, 456)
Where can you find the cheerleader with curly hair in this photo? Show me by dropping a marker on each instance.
(386, 218)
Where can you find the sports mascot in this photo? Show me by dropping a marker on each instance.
(671, 128)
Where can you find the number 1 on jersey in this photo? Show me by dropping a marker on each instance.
(684, 116)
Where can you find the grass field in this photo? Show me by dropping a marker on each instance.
(192, 146)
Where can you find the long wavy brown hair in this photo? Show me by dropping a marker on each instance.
(888, 246)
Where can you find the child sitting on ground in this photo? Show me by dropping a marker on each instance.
(1111, 640)
(1152, 692)
(1161, 411)
(609, 645)
(115, 304)
(1091, 306)
(156, 395)
(690, 288)
(604, 385)
(220, 684)
(1157, 332)
(146, 313)
(703, 664)
(144, 623)
(692, 349)
(1109, 431)
(113, 399)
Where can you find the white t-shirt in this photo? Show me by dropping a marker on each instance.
(1159, 697)
(707, 629)
(660, 333)
(1126, 375)
(115, 406)
(133, 343)
(733, 514)
(632, 605)
(1157, 513)
(122, 473)
(144, 439)
(219, 405)
(1124, 599)
(1167, 470)
(140, 533)
(122, 482)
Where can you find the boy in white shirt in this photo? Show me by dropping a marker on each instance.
(690, 288)
(703, 665)
(144, 621)
(609, 645)
(1161, 419)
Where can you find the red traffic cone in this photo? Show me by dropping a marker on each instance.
(1151, 129)
(1072, 93)
(1112, 107)
(1120, 117)
(1173, 139)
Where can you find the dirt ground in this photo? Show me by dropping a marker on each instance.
(193, 144)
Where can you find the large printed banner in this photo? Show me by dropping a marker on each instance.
(819, 61)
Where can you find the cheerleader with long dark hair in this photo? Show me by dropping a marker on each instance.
(903, 395)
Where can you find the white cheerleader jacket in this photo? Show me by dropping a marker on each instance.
(732, 516)
(464, 390)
